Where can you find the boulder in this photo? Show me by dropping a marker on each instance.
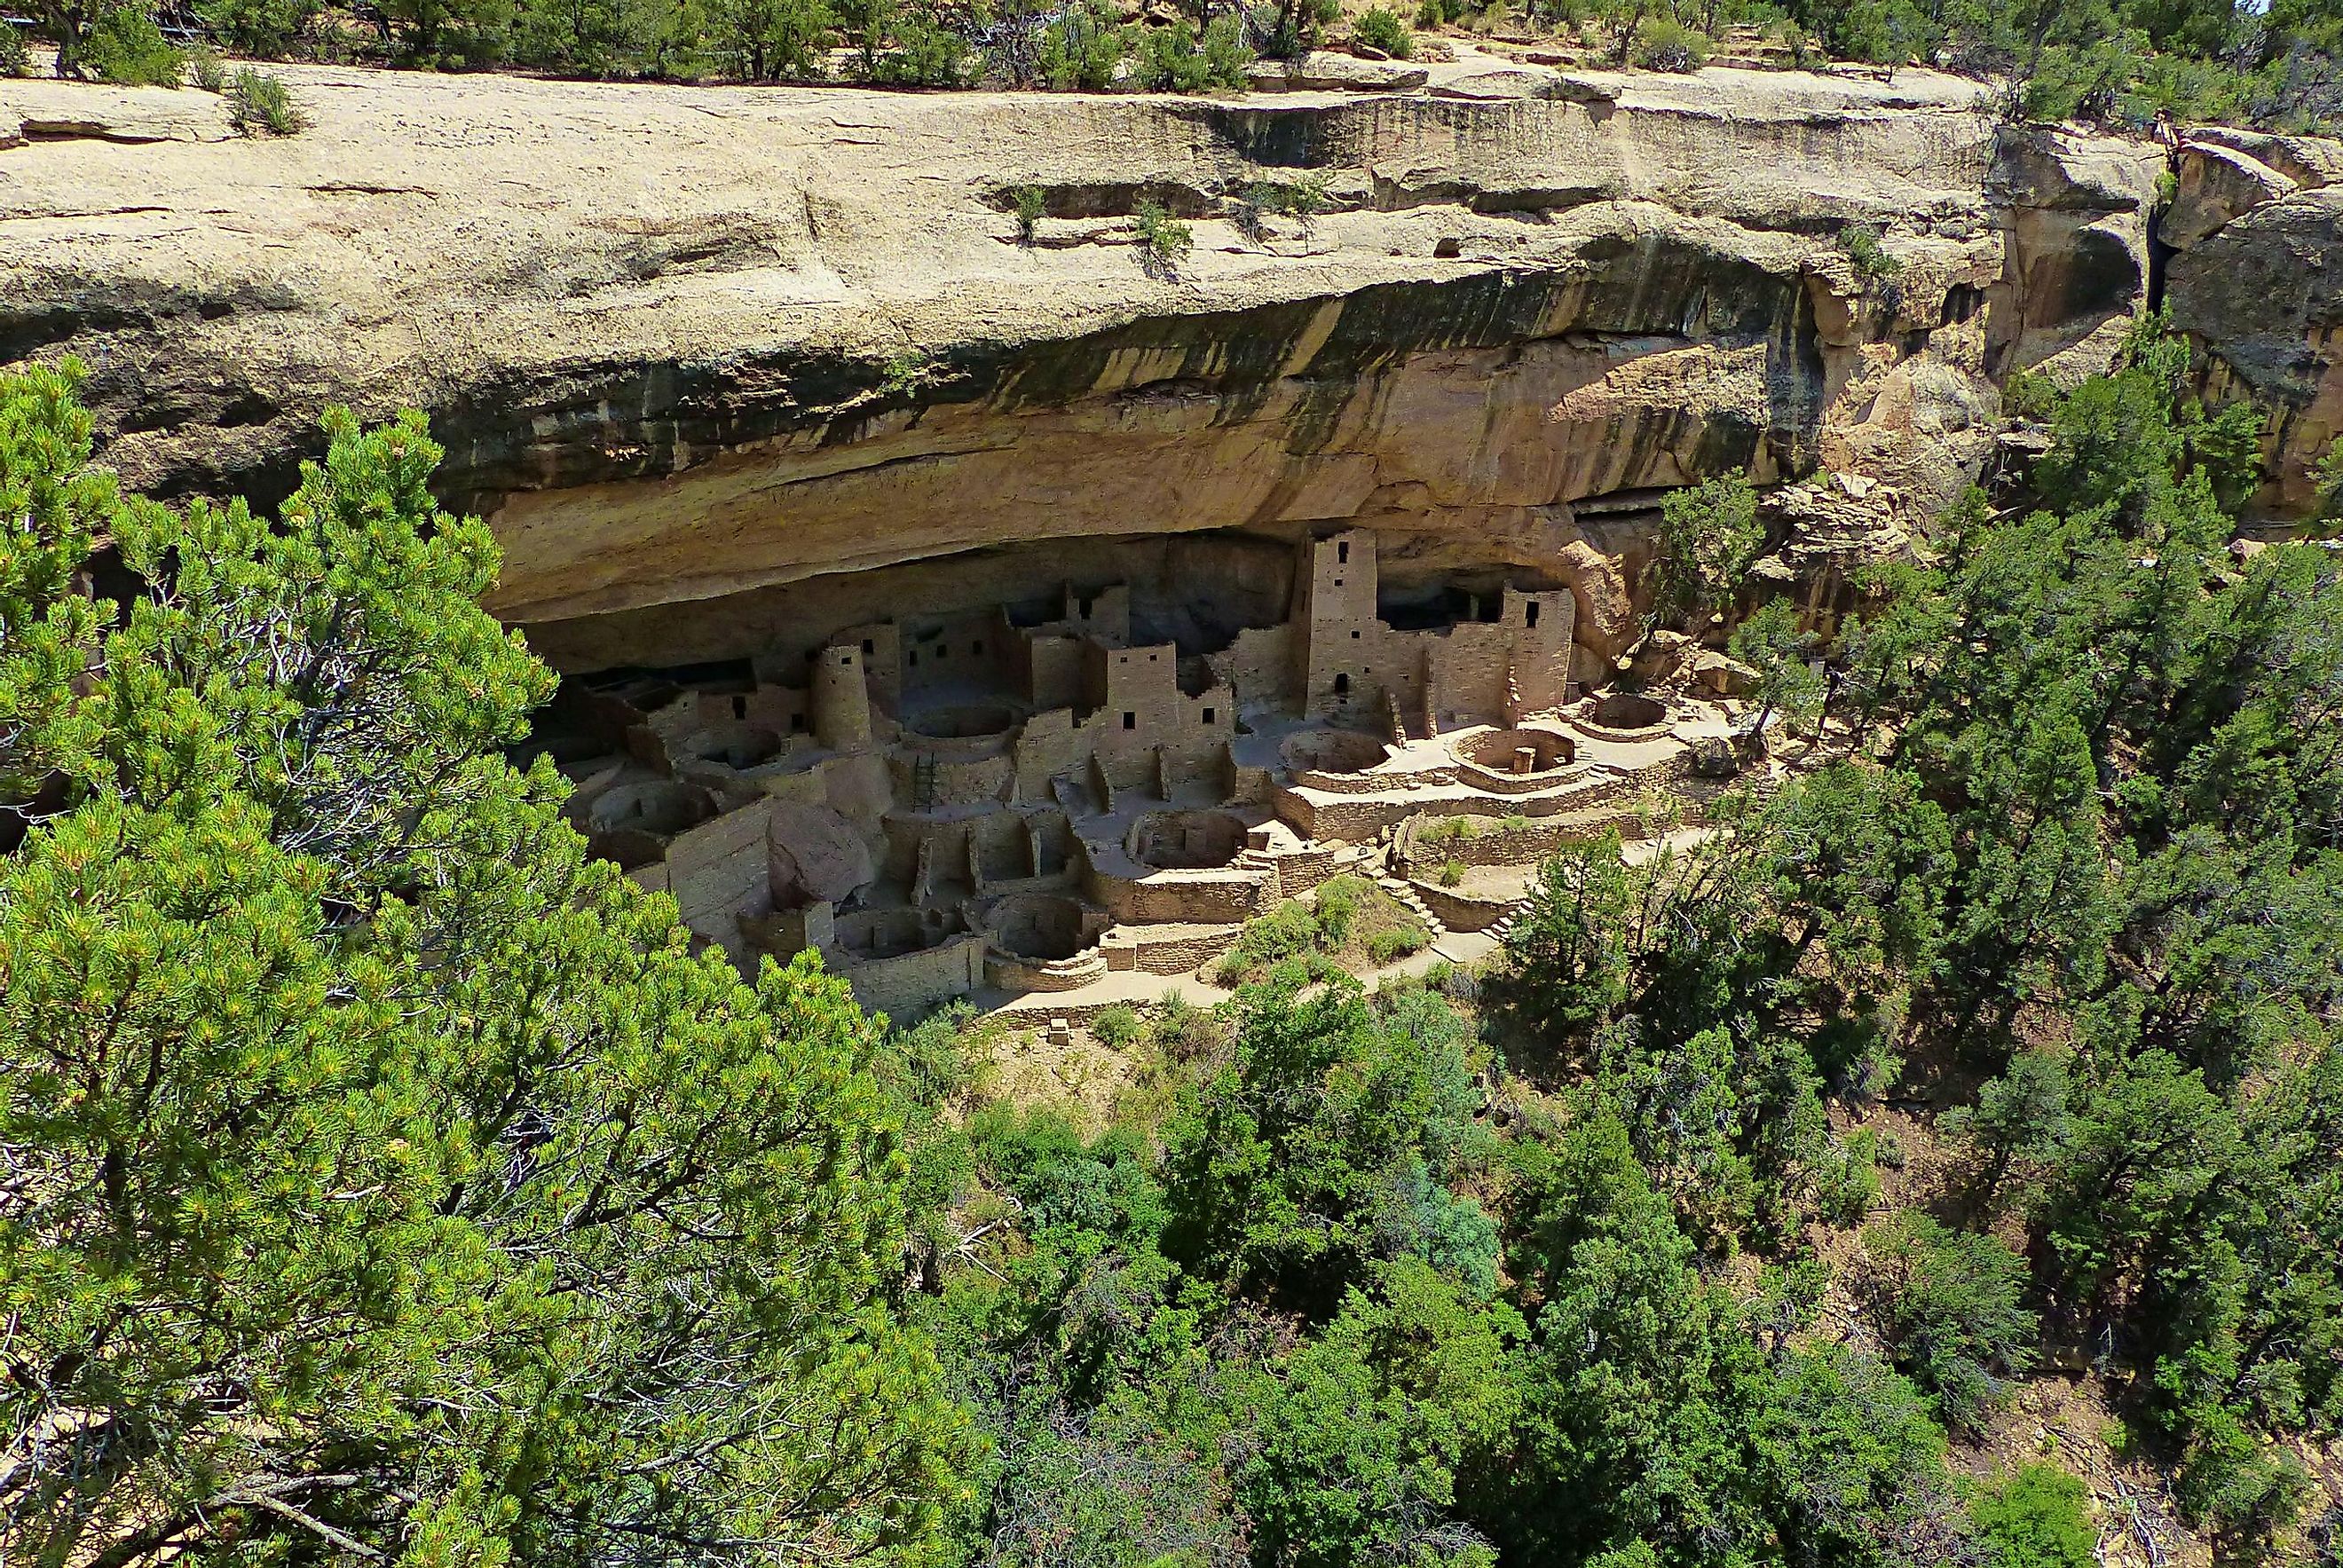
(2218, 184)
(1324, 71)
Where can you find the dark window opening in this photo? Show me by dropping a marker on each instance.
(1338, 582)
(797, 724)
(740, 708)
(869, 646)
(1131, 721)
(1355, 637)
(1343, 553)
(1208, 716)
(1342, 686)
(1083, 608)
(976, 649)
(1151, 658)
(912, 658)
(845, 662)
(1532, 613)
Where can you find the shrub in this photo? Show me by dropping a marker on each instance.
(2038, 1516)
(125, 47)
(1661, 44)
(1164, 240)
(1380, 28)
(259, 102)
(1452, 873)
(1952, 1312)
(1285, 932)
(1177, 58)
(206, 70)
(266, 28)
(15, 60)
(2029, 396)
(1395, 942)
(1030, 206)
(1340, 899)
(1117, 1026)
(1860, 242)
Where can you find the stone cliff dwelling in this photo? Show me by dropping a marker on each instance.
(1029, 795)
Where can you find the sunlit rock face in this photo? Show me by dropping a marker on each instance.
(690, 347)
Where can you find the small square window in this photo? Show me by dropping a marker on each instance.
(1208, 716)
(869, 646)
(1131, 721)
(1338, 582)
(797, 724)
(1355, 637)
(846, 661)
(1151, 658)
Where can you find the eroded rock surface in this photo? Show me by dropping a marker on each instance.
(685, 344)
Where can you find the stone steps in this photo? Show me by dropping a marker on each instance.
(1413, 903)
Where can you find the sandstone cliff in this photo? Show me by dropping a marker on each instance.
(687, 343)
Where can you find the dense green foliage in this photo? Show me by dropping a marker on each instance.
(381, 1172)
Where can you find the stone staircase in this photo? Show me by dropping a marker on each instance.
(1398, 887)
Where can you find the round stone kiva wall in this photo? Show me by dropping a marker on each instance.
(1040, 926)
(965, 722)
(1331, 752)
(1502, 750)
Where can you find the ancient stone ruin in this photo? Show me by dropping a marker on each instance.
(997, 798)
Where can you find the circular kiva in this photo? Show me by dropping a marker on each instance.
(737, 746)
(659, 805)
(1517, 750)
(1331, 752)
(1043, 926)
(965, 722)
(1629, 710)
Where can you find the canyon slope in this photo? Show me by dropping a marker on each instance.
(715, 346)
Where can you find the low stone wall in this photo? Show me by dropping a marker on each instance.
(1460, 911)
(1497, 783)
(1010, 972)
(1373, 783)
(1137, 950)
(1191, 897)
(911, 984)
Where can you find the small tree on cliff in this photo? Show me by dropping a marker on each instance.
(1709, 538)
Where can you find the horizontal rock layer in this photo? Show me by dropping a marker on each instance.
(686, 342)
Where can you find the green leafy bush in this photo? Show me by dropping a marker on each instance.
(207, 69)
(1164, 241)
(1862, 244)
(1031, 205)
(2036, 1516)
(260, 104)
(1452, 873)
(124, 47)
(1951, 1307)
(15, 59)
(265, 29)
(1380, 28)
(1117, 1027)
(1664, 44)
